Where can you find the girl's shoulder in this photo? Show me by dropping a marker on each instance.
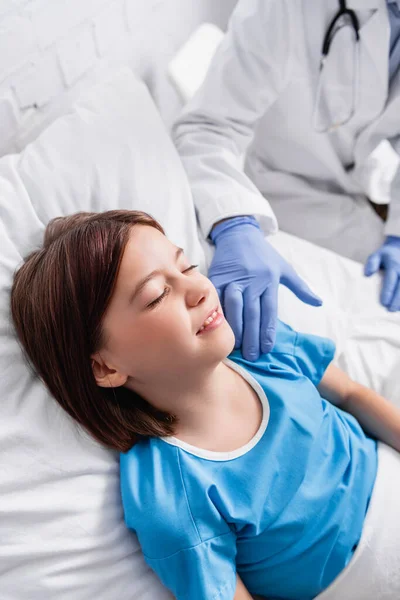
(147, 468)
(294, 354)
(154, 499)
(161, 497)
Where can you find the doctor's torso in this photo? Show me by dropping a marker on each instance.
(285, 138)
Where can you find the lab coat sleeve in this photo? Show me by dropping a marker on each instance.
(248, 71)
(392, 226)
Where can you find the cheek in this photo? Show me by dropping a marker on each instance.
(160, 346)
(158, 335)
(166, 332)
(155, 334)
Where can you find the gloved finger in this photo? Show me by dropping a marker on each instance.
(233, 309)
(395, 304)
(298, 286)
(251, 326)
(269, 316)
(390, 279)
(373, 264)
(220, 292)
(216, 278)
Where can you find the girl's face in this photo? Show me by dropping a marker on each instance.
(159, 305)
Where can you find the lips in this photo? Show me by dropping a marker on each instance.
(207, 316)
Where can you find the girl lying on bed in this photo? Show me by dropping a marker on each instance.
(239, 478)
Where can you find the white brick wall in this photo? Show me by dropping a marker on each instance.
(51, 49)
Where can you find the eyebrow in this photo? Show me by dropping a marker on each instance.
(150, 276)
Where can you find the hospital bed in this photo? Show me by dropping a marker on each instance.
(62, 534)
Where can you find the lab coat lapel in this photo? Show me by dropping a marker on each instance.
(386, 126)
(374, 59)
(387, 123)
(394, 91)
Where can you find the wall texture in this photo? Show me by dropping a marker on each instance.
(51, 49)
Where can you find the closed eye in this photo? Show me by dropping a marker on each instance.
(190, 268)
(166, 290)
(159, 299)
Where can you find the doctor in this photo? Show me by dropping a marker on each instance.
(308, 89)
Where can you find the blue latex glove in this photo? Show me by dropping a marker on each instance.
(246, 271)
(387, 258)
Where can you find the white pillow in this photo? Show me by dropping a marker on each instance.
(61, 528)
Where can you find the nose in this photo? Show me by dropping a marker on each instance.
(197, 292)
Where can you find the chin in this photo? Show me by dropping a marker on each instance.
(231, 344)
(218, 344)
(225, 343)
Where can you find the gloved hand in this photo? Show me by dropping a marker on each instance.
(387, 258)
(246, 271)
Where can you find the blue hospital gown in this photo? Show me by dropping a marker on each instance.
(285, 511)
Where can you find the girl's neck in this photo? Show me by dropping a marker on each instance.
(209, 403)
(197, 400)
(229, 422)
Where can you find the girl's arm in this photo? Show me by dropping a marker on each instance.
(241, 592)
(377, 416)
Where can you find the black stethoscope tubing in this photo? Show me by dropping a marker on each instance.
(342, 12)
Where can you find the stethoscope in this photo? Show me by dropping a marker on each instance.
(344, 17)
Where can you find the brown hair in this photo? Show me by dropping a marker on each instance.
(58, 300)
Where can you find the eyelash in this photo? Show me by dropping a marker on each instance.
(166, 290)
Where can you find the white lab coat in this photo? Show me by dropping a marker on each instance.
(258, 98)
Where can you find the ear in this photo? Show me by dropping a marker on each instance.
(106, 376)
